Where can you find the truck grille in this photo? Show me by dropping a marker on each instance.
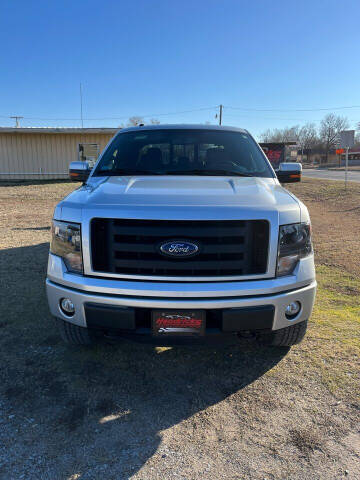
(227, 248)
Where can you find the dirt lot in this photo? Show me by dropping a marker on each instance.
(131, 411)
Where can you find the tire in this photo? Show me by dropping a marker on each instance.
(284, 337)
(73, 334)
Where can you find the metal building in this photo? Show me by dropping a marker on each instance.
(35, 153)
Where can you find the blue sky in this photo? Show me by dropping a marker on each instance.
(148, 57)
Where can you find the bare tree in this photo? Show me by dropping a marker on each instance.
(266, 136)
(135, 121)
(291, 134)
(307, 138)
(287, 134)
(357, 135)
(330, 127)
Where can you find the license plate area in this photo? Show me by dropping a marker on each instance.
(178, 323)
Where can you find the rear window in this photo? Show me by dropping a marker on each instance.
(184, 152)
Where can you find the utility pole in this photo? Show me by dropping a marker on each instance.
(17, 118)
(346, 166)
(81, 107)
(220, 114)
(347, 140)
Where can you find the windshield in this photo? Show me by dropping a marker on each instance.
(184, 152)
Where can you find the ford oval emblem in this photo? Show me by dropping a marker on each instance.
(177, 248)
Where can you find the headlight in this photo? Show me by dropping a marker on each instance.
(66, 243)
(294, 243)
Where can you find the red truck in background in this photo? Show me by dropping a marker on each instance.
(276, 152)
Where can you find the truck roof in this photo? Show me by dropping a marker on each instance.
(183, 126)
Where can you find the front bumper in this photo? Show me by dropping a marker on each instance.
(212, 297)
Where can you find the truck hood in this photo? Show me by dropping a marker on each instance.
(181, 197)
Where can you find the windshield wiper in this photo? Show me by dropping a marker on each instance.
(209, 173)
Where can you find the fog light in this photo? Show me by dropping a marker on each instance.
(292, 309)
(67, 306)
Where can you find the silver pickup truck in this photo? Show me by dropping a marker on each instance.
(182, 234)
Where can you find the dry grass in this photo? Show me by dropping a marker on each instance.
(134, 411)
(335, 215)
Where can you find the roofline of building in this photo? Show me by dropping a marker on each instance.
(115, 130)
(104, 130)
(182, 126)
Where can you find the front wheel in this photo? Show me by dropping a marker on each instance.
(284, 337)
(73, 334)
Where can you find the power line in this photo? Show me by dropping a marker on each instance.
(124, 117)
(255, 117)
(215, 107)
(288, 119)
(291, 109)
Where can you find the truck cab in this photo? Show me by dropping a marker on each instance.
(182, 234)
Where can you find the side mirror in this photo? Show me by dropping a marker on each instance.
(79, 171)
(289, 172)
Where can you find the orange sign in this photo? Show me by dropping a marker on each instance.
(339, 151)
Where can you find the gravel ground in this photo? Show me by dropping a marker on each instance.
(131, 411)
